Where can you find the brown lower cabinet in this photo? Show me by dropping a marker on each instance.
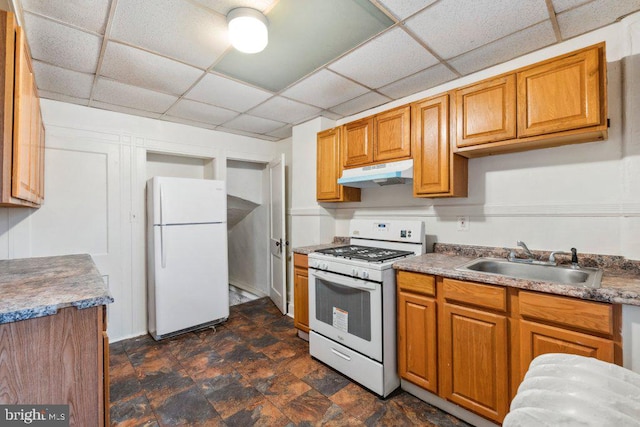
(484, 337)
(58, 359)
(301, 292)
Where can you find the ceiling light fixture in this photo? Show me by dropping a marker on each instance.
(248, 30)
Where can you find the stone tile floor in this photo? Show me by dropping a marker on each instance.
(252, 370)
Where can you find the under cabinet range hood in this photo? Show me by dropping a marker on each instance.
(400, 172)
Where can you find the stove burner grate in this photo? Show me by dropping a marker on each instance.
(366, 253)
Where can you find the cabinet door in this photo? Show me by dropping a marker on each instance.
(56, 359)
(560, 94)
(417, 357)
(537, 339)
(431, 146)
(301, 298)
(329, 168)
(25, 124)
(358, 143)
(392, 135)
(486, 112)
(474, 365)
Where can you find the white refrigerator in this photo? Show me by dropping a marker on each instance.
(187, 255)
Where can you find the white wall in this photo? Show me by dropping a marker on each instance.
(175, 166)
(95, 173)
(310, 222)
(585, 196)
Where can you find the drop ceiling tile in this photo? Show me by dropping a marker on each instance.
(60, 45)
(61, 80)
(125, 110)
(303, 37)
(63, 98)
(594, 15)
(178, 29)
(418, 82)
(223, 92)
(361, 103)
(268, 137)
(117, 93)
(331, 115)
(325, 89)
(225, 6)
(188, 122)
(141, 68)
(282, 133)
(381, 61)
(247, 123)
(285, 110)
(477, 23)
(239, 132)
(87, 14)
(402, 9)
(507, 48)
(562, 5)
(197, 111)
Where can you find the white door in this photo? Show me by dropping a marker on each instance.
(277, 235)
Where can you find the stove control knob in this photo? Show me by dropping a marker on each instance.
(365, 274)
(314, 264)
(354, 272)
(324, 266)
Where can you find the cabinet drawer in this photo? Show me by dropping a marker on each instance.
(415, 282)
(300, 260)
(586, 315)
(487, 296)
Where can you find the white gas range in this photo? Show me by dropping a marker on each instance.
(352, 301)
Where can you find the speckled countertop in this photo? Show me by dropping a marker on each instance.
(306, 250)
(620, 281)
(36, 287)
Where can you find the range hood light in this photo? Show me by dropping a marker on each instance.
(400, 172)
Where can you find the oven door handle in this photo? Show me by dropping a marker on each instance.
(347, 282)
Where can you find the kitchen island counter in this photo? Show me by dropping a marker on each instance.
(37, 287)
(620, 281)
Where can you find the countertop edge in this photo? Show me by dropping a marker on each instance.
(603, 294)
(41, 286)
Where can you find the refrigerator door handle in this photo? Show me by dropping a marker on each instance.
(163, 252)
(161, 205)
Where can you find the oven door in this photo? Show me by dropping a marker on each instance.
(347, 310)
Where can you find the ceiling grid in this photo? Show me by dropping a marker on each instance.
(170, 59)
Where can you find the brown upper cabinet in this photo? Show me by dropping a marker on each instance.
(487, 111)
(562, 94)
(21, 126)
(329, 169)
(392, 135)
(436, 171)
(378, 139)
(358, 143)
(554, 102)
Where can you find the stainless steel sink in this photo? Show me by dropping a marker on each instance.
(584, 276)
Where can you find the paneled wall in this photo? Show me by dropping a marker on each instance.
(95, 175)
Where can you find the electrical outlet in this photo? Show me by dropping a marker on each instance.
(463, 223)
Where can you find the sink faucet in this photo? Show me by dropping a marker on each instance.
(574, 257)
(530, 256)
(526, 249)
